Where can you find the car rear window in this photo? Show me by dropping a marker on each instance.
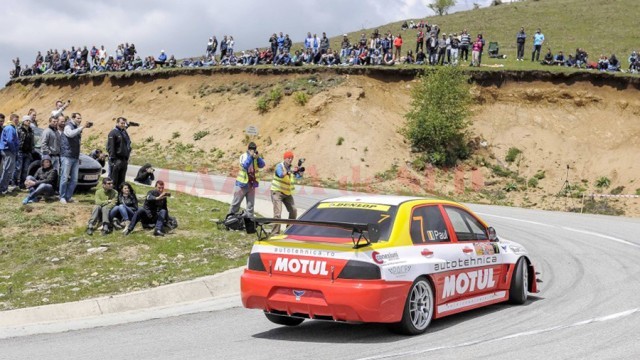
(383, 215)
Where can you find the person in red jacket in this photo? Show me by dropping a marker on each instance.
(397, 44)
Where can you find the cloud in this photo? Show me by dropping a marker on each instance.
(182, 28)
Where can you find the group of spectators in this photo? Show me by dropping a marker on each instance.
(578, 60)
(57, 174)
(80, 61)
(429, 46)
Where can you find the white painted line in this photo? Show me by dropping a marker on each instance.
(586, 232)
(506, 337)
(602, 236)
(515, 219)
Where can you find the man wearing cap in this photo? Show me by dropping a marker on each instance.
(42, 183)
(247, 180)
(282, 189)
(119, 149)
(25, 148)
(9, 144)
(50, 143)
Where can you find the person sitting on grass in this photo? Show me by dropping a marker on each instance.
(559, 59)
(105, 200)
(614, 63)
(154, 210)
(126, 206)
(42, 183)
(548, 58)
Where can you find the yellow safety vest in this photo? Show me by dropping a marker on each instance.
(283, 184)
(243, 176)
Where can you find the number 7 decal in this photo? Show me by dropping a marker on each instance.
(421, 220)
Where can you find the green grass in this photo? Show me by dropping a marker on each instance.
(598, 26)
(44, 258)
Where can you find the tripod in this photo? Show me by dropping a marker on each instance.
(565, 189)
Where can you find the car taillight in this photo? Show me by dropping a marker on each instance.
(255, 262)
(360, 270)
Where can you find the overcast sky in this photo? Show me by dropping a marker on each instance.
(183, 27)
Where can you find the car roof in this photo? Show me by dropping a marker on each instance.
(376, 199)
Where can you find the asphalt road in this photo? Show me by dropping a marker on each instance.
(589, 308)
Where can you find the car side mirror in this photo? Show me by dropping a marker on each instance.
(493, 237)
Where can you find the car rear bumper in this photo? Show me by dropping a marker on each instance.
(340, 300)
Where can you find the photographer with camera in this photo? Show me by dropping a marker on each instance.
(60, 107)
(247, 180)
(282, 187)
(145, 174)
(70, 156)
(119, 149)
(154, 210)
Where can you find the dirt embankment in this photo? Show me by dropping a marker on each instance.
(348, 129)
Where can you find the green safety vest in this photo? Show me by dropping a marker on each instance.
(283, 184)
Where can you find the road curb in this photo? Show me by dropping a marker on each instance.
(209, 287)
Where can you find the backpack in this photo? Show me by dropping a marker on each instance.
(172, 223)
(238, 222)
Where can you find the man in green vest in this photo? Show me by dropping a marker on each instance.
(247, 180)
(282, 189)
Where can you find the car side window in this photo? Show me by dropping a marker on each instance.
(465, 225)
(428, 225)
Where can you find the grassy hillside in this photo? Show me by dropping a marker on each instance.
(598, 26)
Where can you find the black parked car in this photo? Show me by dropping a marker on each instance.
(89, 169)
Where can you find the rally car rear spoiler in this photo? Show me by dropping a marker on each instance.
(372, 230)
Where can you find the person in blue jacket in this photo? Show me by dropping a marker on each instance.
(162, 59)
(9, 144)
(247, 180)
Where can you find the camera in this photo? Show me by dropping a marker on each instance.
(298, 174)
(167, 194)
(131, 123)
(89, 124)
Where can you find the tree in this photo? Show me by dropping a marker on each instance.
(438, 119)
(441, 7)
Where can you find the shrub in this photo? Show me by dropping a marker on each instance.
(200, 134)
(533, 182)
(438, 120)
(512, 154)
(263, 105)
(539, 175)
(603, 182)
(340, 141)
(617, 190)
(149, 139)
(175, 135)
(510, 187)
(301, 98)
(500, 171)
(275, 95)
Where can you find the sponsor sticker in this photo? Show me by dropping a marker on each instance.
(301, 266)
(399, 269)
(379, 258)
(484, 249)
(298, 294)
(470, 281)
(354, 205)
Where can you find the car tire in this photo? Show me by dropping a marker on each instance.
(283, 319)
(33, 167)
(519, 288)
(418, 309)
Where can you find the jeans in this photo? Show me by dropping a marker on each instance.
(239, 193)
(55, 162)
(125, 212)
(8, 167)
(454, 56)
(536, 52)
(23, 160)
(68, 177)
(146, 217)
(520, 55)
(40, 190)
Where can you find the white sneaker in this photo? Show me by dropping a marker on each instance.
(63, 201)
